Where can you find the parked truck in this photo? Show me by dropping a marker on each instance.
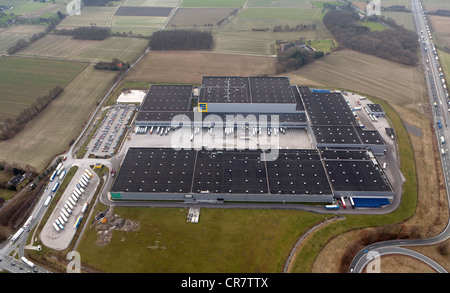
(85, 206)
(78, 222)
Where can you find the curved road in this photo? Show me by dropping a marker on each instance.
(439, 101)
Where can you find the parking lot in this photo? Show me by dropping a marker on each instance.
(107, 137)
(60, 240)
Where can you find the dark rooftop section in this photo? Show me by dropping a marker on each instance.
(327, 108)
(282, 118)
(235, 172)
(355, 176)
(239, 172)
(336, 135)
(167, 98)
(369, 136)
(225, 89)
(229, 89)
(294, 172)
(297, 172)
(375, 108)
(156, 170)
(343, 154)
(271, 90)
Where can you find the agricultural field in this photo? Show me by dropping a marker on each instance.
(59, 122)
(23, 7)
(220, 242)
(402, 18)
(212, 3)
(65, 47)
(9, 36)
(350, 70)
(319, 4)
(441, 29)
(152, 3)
(362, 4)
(143, 11)
(445, 63)
(149, 22)
(23, 80)
(100, 16)
(236, 36)
(190, 67)
(304, 4)
(46, 11)
(199, 17)
(432, 5)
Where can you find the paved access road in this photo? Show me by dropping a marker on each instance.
(440, 108)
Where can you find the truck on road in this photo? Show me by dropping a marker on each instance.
(27, 262)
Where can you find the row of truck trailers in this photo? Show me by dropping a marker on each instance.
(66, 211)
(343, 203)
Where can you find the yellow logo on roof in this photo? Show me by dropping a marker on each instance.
(202, 107)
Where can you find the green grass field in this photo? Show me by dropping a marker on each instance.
(224, 240)
(23, 80)
(374, 26)
(212, 3)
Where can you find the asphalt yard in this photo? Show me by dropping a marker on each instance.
(188, 138)
(104, 141)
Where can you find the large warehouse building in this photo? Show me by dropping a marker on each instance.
(341, 162)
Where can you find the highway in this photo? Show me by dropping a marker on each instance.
(440, 107)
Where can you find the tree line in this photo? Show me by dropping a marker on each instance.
(441, 12)
(181, 40)
(86, 32)
(395, 44)
(115, 65)
(294, 58)
(12, 126)
(297, 28)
